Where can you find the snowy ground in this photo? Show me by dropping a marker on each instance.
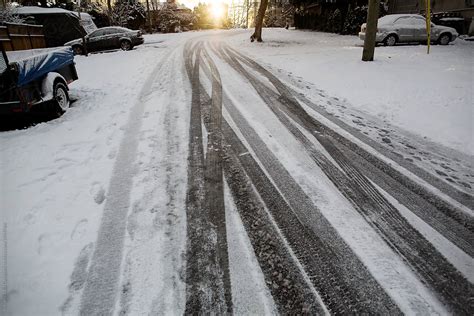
(55, 176)
(115, 162)
(430, 95)
(410, 101)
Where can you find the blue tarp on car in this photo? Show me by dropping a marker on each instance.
(35, 63)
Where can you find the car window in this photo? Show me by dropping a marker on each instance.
(403, 21)
(97, 33)
(115, 31)
(417, 22)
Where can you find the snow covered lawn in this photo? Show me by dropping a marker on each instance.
(429, 95)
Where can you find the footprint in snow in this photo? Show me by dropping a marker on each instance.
(98, 192)
(112, 154)
(79, 230)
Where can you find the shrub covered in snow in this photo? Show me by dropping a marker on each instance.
(354, 19)
(169, 19)
(334, 22)
(7, 15)
(128, 13)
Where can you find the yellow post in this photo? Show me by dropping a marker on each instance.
(428, 24)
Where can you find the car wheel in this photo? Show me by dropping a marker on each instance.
(444, 39)
(61, 97)
(125, 45)
(390, 40)
(77, 50)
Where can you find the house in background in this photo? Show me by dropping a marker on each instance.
(455, 13)
(437, 6)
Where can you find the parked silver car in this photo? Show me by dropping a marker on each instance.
(405, 28)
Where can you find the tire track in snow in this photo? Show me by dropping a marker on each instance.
(344, 283)
(454, 193)
(153, 273)
(208, 281)
(460, 196)
(214, 181)
(100, 292)
(431, 266)
(290, 287)
(448, 220)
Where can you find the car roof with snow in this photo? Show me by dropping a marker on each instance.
(387, 19)
(115, 28)
(39, 10)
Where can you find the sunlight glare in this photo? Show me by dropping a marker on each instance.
(217, 10)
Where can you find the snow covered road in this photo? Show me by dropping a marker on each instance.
(213, 184)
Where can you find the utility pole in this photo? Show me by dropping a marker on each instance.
(370, 32)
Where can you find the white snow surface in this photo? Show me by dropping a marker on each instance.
(429, 95)
(55, 176)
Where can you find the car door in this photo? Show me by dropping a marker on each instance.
(404, 29)
(115, 36)
(95, 41)
(105, 39)
(419, 29)
(109, 39)
(118, 33)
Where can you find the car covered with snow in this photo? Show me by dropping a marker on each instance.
(406, 28)
(36, 79)
(105, 38)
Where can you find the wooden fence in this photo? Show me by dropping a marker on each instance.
(21, 36)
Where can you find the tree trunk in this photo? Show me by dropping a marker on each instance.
(371, 30)
(109, 7)
(257, 34)
(148, 16)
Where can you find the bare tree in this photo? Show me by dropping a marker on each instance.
(257, 34)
